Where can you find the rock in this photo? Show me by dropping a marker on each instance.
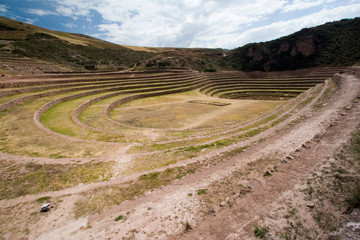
(318, 136)
(310, 205)
(45, 208)
(267, 174)
(293, 154)
(290, 157)
(223, 203)
(298, 150)
(356, 101)
(285, 160)
(304, 145)
(210, 211)
(245, 191)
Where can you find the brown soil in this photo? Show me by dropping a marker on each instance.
(177, 211)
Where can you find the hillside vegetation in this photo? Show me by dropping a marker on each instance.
(77, 51)
(331, 44)
(81, 53)
(335, 43)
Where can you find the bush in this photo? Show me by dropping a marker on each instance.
(260, 232)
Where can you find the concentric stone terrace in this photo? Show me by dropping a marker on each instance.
(156, 118)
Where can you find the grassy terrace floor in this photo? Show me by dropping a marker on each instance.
(118, 152)
(175, 126)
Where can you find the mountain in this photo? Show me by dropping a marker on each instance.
(78, 52)
(334, 43)
(75, 51)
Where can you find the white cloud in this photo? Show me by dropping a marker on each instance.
(73, 9)
(199, 23)
(3, 8)
(31, 20)
(304, 4)
(282, 28)
(69, 25)
(40, 12)
(177, 23)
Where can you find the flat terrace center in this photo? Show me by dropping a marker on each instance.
(191, 110)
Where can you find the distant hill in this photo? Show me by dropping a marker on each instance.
(79, 52)
(334, 43)
(75, 51)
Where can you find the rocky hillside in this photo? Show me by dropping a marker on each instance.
(335, 43)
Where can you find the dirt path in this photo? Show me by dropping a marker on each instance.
(163, 213)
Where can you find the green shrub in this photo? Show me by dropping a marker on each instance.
(121, 217)
(260, 232)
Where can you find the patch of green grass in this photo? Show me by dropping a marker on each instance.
(202, 191)
(43, 199)
(260, 231)
(121, 217)
(150, 176)
(56, 155)
(219, 143)
(236, 151)
(254, 132)
(341, 171)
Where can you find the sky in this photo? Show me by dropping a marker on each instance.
(183, 23)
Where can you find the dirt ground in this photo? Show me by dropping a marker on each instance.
(224, 200)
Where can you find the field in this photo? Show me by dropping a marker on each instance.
(159, 150)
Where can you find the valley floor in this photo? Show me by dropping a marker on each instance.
(289, 183)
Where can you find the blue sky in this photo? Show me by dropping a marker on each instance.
(182, 23)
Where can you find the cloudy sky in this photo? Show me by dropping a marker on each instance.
(180, 23)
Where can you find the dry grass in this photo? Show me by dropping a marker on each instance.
(175, 111)
(137, 48)
(19, 180)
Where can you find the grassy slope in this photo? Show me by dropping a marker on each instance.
(16, 30)
(73, 50)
